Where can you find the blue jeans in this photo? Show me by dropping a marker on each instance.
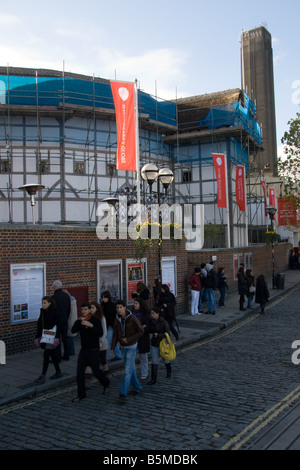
(250, 298)
(109, 337)
(130, 377)
(155, 355)
(211, 300)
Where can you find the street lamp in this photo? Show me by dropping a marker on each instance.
(165, 176)
(31, 189)
(271, 211)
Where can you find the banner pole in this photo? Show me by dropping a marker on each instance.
(137, 150)
(227, 203)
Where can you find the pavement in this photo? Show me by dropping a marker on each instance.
(17, 376)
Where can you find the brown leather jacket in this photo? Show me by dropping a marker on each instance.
(129, 328)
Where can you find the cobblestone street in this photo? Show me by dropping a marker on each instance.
(221, 389)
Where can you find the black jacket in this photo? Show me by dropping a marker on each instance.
(109, 310)
(47, 320)
(89, 336)
(167, 298)
(262, 293)
(159, 326)
(211, 280)
(63, 303)
(242, 284)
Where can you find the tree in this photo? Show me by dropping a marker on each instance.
(289, 166)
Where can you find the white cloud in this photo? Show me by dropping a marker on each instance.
(157, 71)
(8, 20)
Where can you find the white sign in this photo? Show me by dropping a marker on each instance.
(27, 288)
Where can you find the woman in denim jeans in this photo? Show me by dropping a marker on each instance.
(158, 327)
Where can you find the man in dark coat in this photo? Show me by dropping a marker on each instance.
(63, 307)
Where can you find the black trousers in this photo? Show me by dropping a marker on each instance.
(89, 358)
(47, 354)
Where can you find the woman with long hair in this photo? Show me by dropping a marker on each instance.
(96, 309)
(48, 320)
(167, 303)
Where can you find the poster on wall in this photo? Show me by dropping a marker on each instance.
(168, 273)
(109, 277)
(27, 288)
(238, 259)
(135, 272)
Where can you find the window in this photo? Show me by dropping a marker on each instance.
(79, 168)
(186, 176)
(5, 166)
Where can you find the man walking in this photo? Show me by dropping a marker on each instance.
(127, 331)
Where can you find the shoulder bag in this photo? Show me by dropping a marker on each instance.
(167, 348)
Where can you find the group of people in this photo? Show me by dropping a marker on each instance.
(205, 281)
(248, 287)
(108, 326)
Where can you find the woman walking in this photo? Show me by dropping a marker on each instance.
(157, 327)
(262, 292)
(250, 287)
(96, 309)
(48, 320)
(167, 303)
(242, 287)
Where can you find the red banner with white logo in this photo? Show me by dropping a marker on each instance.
(272, 199)
(220, 170)
(123, 95)
(240, 192)
(264, 186)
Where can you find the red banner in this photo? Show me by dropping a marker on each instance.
(263, 183)
(287, 212)
(123, 95)
(220, 170)
(240, 192)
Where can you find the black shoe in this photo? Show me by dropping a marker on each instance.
(65, 358)
(116, 358)
(122, 399)
(76, 399)
(213, 313)
(41, 380)
(105, 390)
(57, 375)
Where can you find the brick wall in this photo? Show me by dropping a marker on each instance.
(71, 255)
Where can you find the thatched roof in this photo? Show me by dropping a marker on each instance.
(217, 98)
(193, 109)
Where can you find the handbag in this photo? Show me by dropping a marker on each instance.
(48, 336)
(167, 349)
(252, 290)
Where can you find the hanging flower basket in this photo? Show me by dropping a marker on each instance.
(272, 238)
(144, 231)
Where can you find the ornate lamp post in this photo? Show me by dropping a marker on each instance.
(271, 211)
(165, 176)
(31, 189)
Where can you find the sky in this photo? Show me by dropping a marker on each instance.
(173, 48)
